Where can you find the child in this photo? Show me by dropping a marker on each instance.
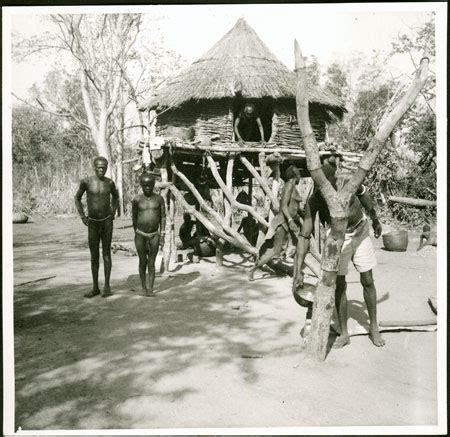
(428, 236)
(149, 222)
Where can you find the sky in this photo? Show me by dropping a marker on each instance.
(327, 31)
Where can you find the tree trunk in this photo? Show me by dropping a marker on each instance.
(338, 201)
(317, 340)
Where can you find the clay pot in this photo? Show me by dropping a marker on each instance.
(396, 241)
(20, 217)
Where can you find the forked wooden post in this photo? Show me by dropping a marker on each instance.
(338, 201)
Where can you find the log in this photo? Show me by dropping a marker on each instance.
(229, 181)
(411, 201)
(165, 261)
(229, 195)
(238, 241)
(275, 184)
(201, 218)
(262, 182)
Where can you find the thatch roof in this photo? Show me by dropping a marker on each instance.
(239, 63)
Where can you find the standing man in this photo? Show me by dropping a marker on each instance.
(149, 224)
(248, 126)
(357, 247)
(100, 191)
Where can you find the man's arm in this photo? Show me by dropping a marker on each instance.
(115, 198)
(236, 130)
(285, 199)
(369, 206)
(134, 213)
(261, 129)
(303, 242)
(78, 195)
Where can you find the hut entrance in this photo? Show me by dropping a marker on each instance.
(263, 108)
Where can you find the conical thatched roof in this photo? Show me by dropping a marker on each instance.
(239, 63)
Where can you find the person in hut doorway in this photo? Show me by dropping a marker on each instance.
(248, 126)
(149, 222)
(100, 190)
(357, 247)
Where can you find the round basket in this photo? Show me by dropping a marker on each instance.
(20, 217)
(396, 241)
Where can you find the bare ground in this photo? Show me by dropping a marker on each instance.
(178, 360)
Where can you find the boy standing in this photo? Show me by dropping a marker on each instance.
(99, 192)
(149, 222)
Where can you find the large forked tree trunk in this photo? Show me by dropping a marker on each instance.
(338, 201)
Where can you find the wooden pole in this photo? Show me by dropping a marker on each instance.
(165, 262)
(229, 195)
(229, 180)
(234, 237)
(208, 225)
(262, 182)
(275, 184)
(173, 248)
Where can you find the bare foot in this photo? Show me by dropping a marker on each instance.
(250, 273)
(341, 341)
(106, 292)
(376, 338)
(92, 293)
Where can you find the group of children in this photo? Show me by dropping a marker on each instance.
(149, 219)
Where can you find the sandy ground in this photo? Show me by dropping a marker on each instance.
(176, 360)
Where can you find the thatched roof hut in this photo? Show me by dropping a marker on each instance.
(208, 94)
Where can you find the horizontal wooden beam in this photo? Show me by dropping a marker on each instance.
(233, 147)
(410, 201)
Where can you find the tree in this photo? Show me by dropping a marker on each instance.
(338, 201)
(336, 81)
(100, 45)
(313, 70)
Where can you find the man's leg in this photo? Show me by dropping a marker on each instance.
(94, 245)
(278, 241)
(106, 251)
(341, 307)
(153, 245)
(142, 250)
(370, 297)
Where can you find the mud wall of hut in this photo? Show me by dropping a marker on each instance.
(210, 118)
(287, 131)
(215, 118)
